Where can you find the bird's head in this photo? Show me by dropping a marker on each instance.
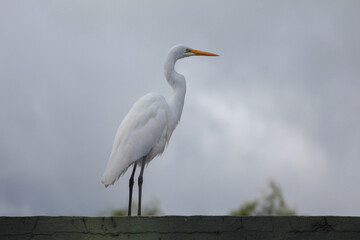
(181, 51)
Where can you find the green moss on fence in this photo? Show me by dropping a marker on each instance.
(179, 227)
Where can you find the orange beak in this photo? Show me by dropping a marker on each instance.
(202, 53)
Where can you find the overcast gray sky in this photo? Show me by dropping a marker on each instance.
(282, 101)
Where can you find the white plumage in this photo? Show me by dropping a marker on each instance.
(143, 132)
(146, 129)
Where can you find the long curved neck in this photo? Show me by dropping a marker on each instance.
(178, 84)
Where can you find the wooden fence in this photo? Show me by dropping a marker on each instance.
(180, 227)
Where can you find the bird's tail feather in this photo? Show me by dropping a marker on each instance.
(114, 169)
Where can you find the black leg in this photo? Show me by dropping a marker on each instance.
(140, 181)
(131, 184)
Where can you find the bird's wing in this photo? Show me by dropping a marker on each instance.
(142, 128)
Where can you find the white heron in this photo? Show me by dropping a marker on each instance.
(146, 129)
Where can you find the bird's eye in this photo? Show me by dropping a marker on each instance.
(188, 50)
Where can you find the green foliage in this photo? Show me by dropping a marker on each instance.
(270, 204)
(119, 212)
(246, 209)
(150, 209)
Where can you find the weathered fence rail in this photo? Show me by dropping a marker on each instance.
(180, 227)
